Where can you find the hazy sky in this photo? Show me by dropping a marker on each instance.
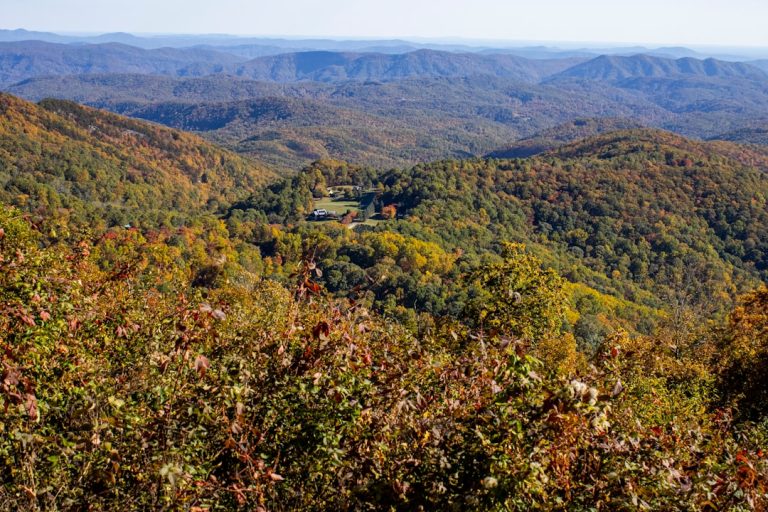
(715, 22)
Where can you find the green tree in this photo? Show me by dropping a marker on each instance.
(519, 297)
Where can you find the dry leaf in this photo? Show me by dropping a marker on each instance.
(201, 365)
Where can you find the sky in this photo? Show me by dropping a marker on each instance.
(661, 22)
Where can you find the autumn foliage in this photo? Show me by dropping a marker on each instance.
(124, 388)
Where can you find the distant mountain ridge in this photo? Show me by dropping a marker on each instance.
(754, 135)
(391, 109)
(401, 122)
(761, 64)
(616, 68)
(323, 66)
(251, 47)
(24, 60)
(28, 59)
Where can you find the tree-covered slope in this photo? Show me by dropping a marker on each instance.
(562, 134)
(126, 387)
(28, 59)
(611, 67)
(410, 120)
(757, 135)
(631, 202)
(643, 215)
(249, 358)
(59, 155)
(324, 66)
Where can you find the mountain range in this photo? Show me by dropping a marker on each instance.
(262, 273)
(19, 61)
(251, 47)
(335, 66)
(388, 109)
(29, 59)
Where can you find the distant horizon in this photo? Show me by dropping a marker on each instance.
(446, 40)
(700, 23)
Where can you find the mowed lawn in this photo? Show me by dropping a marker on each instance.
(340, 207)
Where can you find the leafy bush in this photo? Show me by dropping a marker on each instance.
(123, 388)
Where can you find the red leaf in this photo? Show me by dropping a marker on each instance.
(11, 377)
(27, 319)
(321, 330)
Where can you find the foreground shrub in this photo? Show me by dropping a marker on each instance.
(123, 388)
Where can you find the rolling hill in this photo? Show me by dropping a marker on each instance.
(336, 66)
(643, 215)
(28, 59)
(761, 64)
(561, 135)
(756, 135)
(632, 205)
(396, 110)
(616, 68)
(59, 156)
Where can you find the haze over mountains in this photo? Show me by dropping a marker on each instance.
(19, 61)
(389, 103)
(260, 46)
(27, 59)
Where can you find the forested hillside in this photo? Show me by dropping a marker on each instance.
(28, 59)
(562, 134)
(617, 68)
(646, 217)
(747, 135)
(337, 66)
(61, 158)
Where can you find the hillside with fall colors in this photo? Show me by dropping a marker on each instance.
(182, 329)
(98, 167)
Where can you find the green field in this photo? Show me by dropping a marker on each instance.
(340, 207)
